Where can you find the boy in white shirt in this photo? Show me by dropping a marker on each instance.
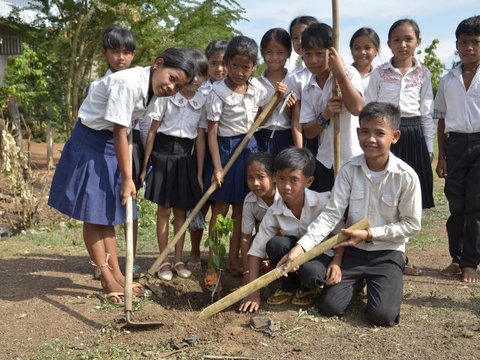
(284, 223)
(318, 105)
(384, 189)
(457, 106)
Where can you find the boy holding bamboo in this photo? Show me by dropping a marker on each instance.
(284, 223)
(379, 186)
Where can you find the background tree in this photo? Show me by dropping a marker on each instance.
(66, 41)
(433, 63)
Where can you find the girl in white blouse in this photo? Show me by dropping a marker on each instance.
(364, 46)
(231, 107)
(175, 179)
(403, 81)
(93, 180)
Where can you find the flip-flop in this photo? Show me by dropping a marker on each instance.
(304, 298)
(113, 298)
(279, 297)
(137, 285)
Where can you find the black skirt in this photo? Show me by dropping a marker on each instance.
(412, 148)
(172, 182)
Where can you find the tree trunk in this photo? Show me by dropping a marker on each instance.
(49, 144)
(15, 116)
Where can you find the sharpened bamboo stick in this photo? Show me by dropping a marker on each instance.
(276, 273)
(266, 112)
(335, 91)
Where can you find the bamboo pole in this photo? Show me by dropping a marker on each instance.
(276, 273)
(335, 91)
(258, 122)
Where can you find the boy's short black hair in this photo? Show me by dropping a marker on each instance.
(470, 26)
(201, 61)
(317, 35)
(381, 110)
(295, 159)
(116, 36)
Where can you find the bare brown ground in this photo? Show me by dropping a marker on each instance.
(48, 310)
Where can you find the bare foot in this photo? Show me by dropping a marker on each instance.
(411, 270)
(469, 275)
(451, 270)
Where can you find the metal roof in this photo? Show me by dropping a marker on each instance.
(7, 5)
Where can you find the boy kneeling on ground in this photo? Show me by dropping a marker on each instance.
(382, 188)
(284, 223)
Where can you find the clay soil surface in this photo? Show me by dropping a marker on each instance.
(49, 308)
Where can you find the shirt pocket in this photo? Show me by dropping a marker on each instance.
(357, 201)
(388, 206)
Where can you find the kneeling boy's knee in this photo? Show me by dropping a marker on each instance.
(382, 316)
(329, 307)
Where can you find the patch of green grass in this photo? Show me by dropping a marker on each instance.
(433, 220)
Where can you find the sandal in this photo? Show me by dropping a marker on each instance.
(97, 269)
(279, 297)
(304, 297)
(113, 298)
(141, 289)
(211, 280)
(166, 275)
(183, 272)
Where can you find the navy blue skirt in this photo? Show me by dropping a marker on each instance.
(281, 139)
(173, 182)
(137, 158)
(234, 187)
(86, 183)
(412, 149)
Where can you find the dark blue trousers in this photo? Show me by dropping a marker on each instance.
(462, 189)
(383, 273)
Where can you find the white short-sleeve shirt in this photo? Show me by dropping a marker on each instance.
(314, 101)
(301, 76)
(179, 116)
(235, 112)
(458, 106)
(412, 92)
(117, 99)
(276, 120)
(254, 209)
(279, 219)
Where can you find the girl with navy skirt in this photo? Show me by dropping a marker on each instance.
(93, 179)
(231, 107)
(175, 180)
(277, 132)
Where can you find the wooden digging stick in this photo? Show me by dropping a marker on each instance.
(277, 273)
(129, 257)
(258, 122)
(335, 91)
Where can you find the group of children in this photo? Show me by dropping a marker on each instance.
(194, 110)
